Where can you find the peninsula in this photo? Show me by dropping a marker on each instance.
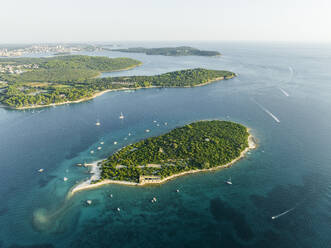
(199, 146)
(41, 82)
(169, 51)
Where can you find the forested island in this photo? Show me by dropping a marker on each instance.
(169, 51)
(39, 82)
(199, 146)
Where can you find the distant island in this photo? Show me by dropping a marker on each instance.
(40, 82)
(199, 146)
(169, 51)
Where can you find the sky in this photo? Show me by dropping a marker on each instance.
(24, 21)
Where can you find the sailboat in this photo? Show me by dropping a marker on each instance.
(121, 116)
(98, 123)
(229, 181)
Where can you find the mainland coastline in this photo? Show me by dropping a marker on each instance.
(95, 170)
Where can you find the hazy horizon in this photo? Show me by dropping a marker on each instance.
(45, 21)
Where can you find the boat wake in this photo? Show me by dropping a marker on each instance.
(291, 73)
(287, 81)
(267, 111)
(284, 92)
(279, 215)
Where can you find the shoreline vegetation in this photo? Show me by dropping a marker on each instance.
(97, 169)
(169, 51)
(23, 91)
(26, 82)
(110, 90)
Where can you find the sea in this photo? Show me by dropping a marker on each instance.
(280, 194)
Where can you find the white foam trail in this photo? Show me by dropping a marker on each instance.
(291, 70)
(279, 215)
(284, 92)
(291, 74)
(267, 111)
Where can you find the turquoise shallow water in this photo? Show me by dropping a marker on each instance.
(290, 170)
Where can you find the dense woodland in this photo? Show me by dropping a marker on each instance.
(65, 68)
(170, 51)
(71, 78)
(55, 79)
(199, 145)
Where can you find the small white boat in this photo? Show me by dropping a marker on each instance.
(154, 121)
(166, 123)
(121, 116)
(97, 123)
(118, 209)
(158, 125)
(177, 190)
(229, 181)
(99, 147)
(154, 199)
(115, 142)
(65, 179)
(41, 170)
(89, 202)
(111, 195)
(92, 152)
(129, 134)
(147, 130)
(101, 143)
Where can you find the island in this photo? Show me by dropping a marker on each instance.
(195, 147)
(169, 51)
(41, 82)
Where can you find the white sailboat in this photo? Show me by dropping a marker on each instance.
(121, 116)
(229, 181)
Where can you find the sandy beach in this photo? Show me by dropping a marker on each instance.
(95, 170)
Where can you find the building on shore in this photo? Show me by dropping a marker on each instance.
(149, 179)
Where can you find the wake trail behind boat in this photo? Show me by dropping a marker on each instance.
(284, 92)
(291, 75)
(267, 111)
(279, 215)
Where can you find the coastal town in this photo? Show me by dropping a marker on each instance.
(16, 69)
(46, 48)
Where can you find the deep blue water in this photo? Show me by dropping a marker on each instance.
(290, 170)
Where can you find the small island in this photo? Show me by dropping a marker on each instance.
(41, 82)
(199, 146)
(169, 51)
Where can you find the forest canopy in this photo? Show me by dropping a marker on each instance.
(199, 145)
(72, 78)
(169, 51)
